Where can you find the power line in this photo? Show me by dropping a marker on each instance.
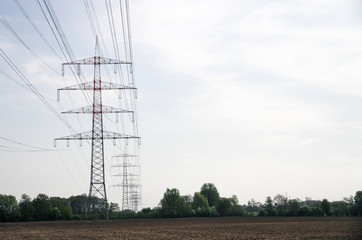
(14, 80)
(29, 148)
(36, 28)
(62, 41)
(23, 144)
(11, 29)
(33, 89)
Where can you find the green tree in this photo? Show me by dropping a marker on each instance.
(61, 204)
(78, 204)
(293, 206)
(326, 207)
(113, 210)
(97, 208)
(26, 208)
(251, 208)
(150, 213)
(54, 213)
(339, 208)
(67, 213)
(42, 207)
(281, 204)
(358, 203)
(199, 201)
(200, 205)
(9, 210)
(269, 207)
(316, 210)
(210, 192)
(236, 209)
(304, 210)
(173, 205)
(188, 199)
(350, 203)
(224, 206)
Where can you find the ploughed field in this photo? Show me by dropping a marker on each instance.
(191, 228)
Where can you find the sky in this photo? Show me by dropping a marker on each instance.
(258, 97)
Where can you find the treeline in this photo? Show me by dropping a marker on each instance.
(206, 203)
(44, 208)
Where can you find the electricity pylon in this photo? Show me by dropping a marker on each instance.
(98, 134)
(130, 173)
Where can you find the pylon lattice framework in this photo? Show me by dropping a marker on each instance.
(130, 174)
(97, 135)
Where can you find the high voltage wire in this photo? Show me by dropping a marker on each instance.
(128, 99)
(61, 40)
(116, 50)
(28, 88)
(62, 43)
(36, 28)
(25, 145)
(129, 38)
(94, 23)
(53, 22)
(33, 89)
(28, 85)
(14, 80)
(41, 62)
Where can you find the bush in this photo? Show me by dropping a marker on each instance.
(54, 214)
(304, 211)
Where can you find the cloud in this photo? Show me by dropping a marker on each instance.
(308, 141)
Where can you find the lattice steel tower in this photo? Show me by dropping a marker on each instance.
(130, 174)
(98, 134)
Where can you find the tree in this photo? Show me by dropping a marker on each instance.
(78, 204)
(358, 203)
(281, 202)
(173, 205)
(42, 207)
(150, 213)
(316, 209)
(188, 199)
(54, 213)
(97, 208)
(236, 209)
(293, 206)
(61, 204)
(200, 205)
(269, 207)
(304, 210)
(326, 207)
(251, 207)
(26, 208)
(210, 192)
(67, 213)
(339, 208)
(224, 206)
(9, 210)
(199, 201)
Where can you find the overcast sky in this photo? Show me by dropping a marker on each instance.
(258, 97)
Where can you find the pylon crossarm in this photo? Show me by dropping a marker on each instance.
(104, 86)
(96, 60)
(122, 185)
(91, 87)
(124, 165)
(88, 136)
(105, 109)
(124, 155)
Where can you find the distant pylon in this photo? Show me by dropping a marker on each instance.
(130, 173)
(97, 187)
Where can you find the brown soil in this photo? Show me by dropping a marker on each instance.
(192, 228)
